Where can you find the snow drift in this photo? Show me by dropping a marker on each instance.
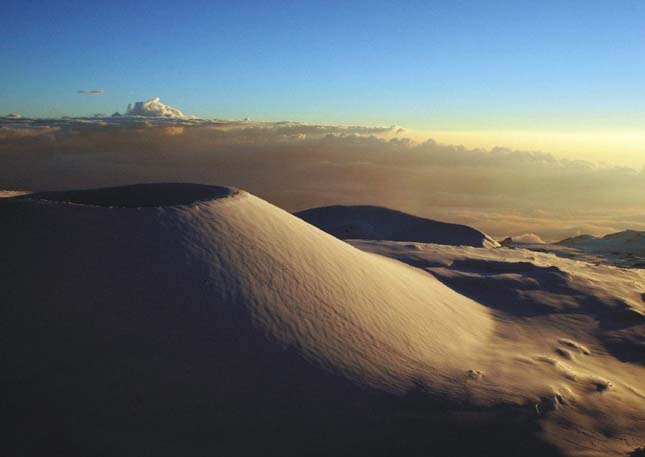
(377, 223)
(576, 328)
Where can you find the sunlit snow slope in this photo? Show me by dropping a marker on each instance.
(138, 303)
(182, 319)
(574, 330)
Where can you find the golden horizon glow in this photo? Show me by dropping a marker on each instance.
(612, 147)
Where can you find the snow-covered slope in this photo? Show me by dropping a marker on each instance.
(623, 249)
(625, 242)
(181, 319)
(575, 327)
(147, 300)
(378, 223)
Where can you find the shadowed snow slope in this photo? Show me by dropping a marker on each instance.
(377, 223)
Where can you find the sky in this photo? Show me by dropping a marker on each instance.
(560, 76)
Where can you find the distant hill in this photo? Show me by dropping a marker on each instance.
(625, 242)
(379, 223)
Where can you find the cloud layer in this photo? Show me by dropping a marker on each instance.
(297, 166)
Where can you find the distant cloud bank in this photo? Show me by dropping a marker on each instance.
(296, 166)
(91, 91)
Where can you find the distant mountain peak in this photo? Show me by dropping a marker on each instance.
(623, 242)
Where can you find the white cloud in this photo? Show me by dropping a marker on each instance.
(527, 238)
(154, 108)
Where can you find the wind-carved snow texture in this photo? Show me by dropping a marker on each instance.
(179, 319)
(577, 329)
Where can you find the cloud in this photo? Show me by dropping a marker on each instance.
(296, 166)
(154, 108)
(527, 238)
(91, 91)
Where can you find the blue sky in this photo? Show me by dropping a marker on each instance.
(426, 65)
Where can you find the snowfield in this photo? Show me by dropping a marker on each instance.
(183, 319)
(623, 249)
